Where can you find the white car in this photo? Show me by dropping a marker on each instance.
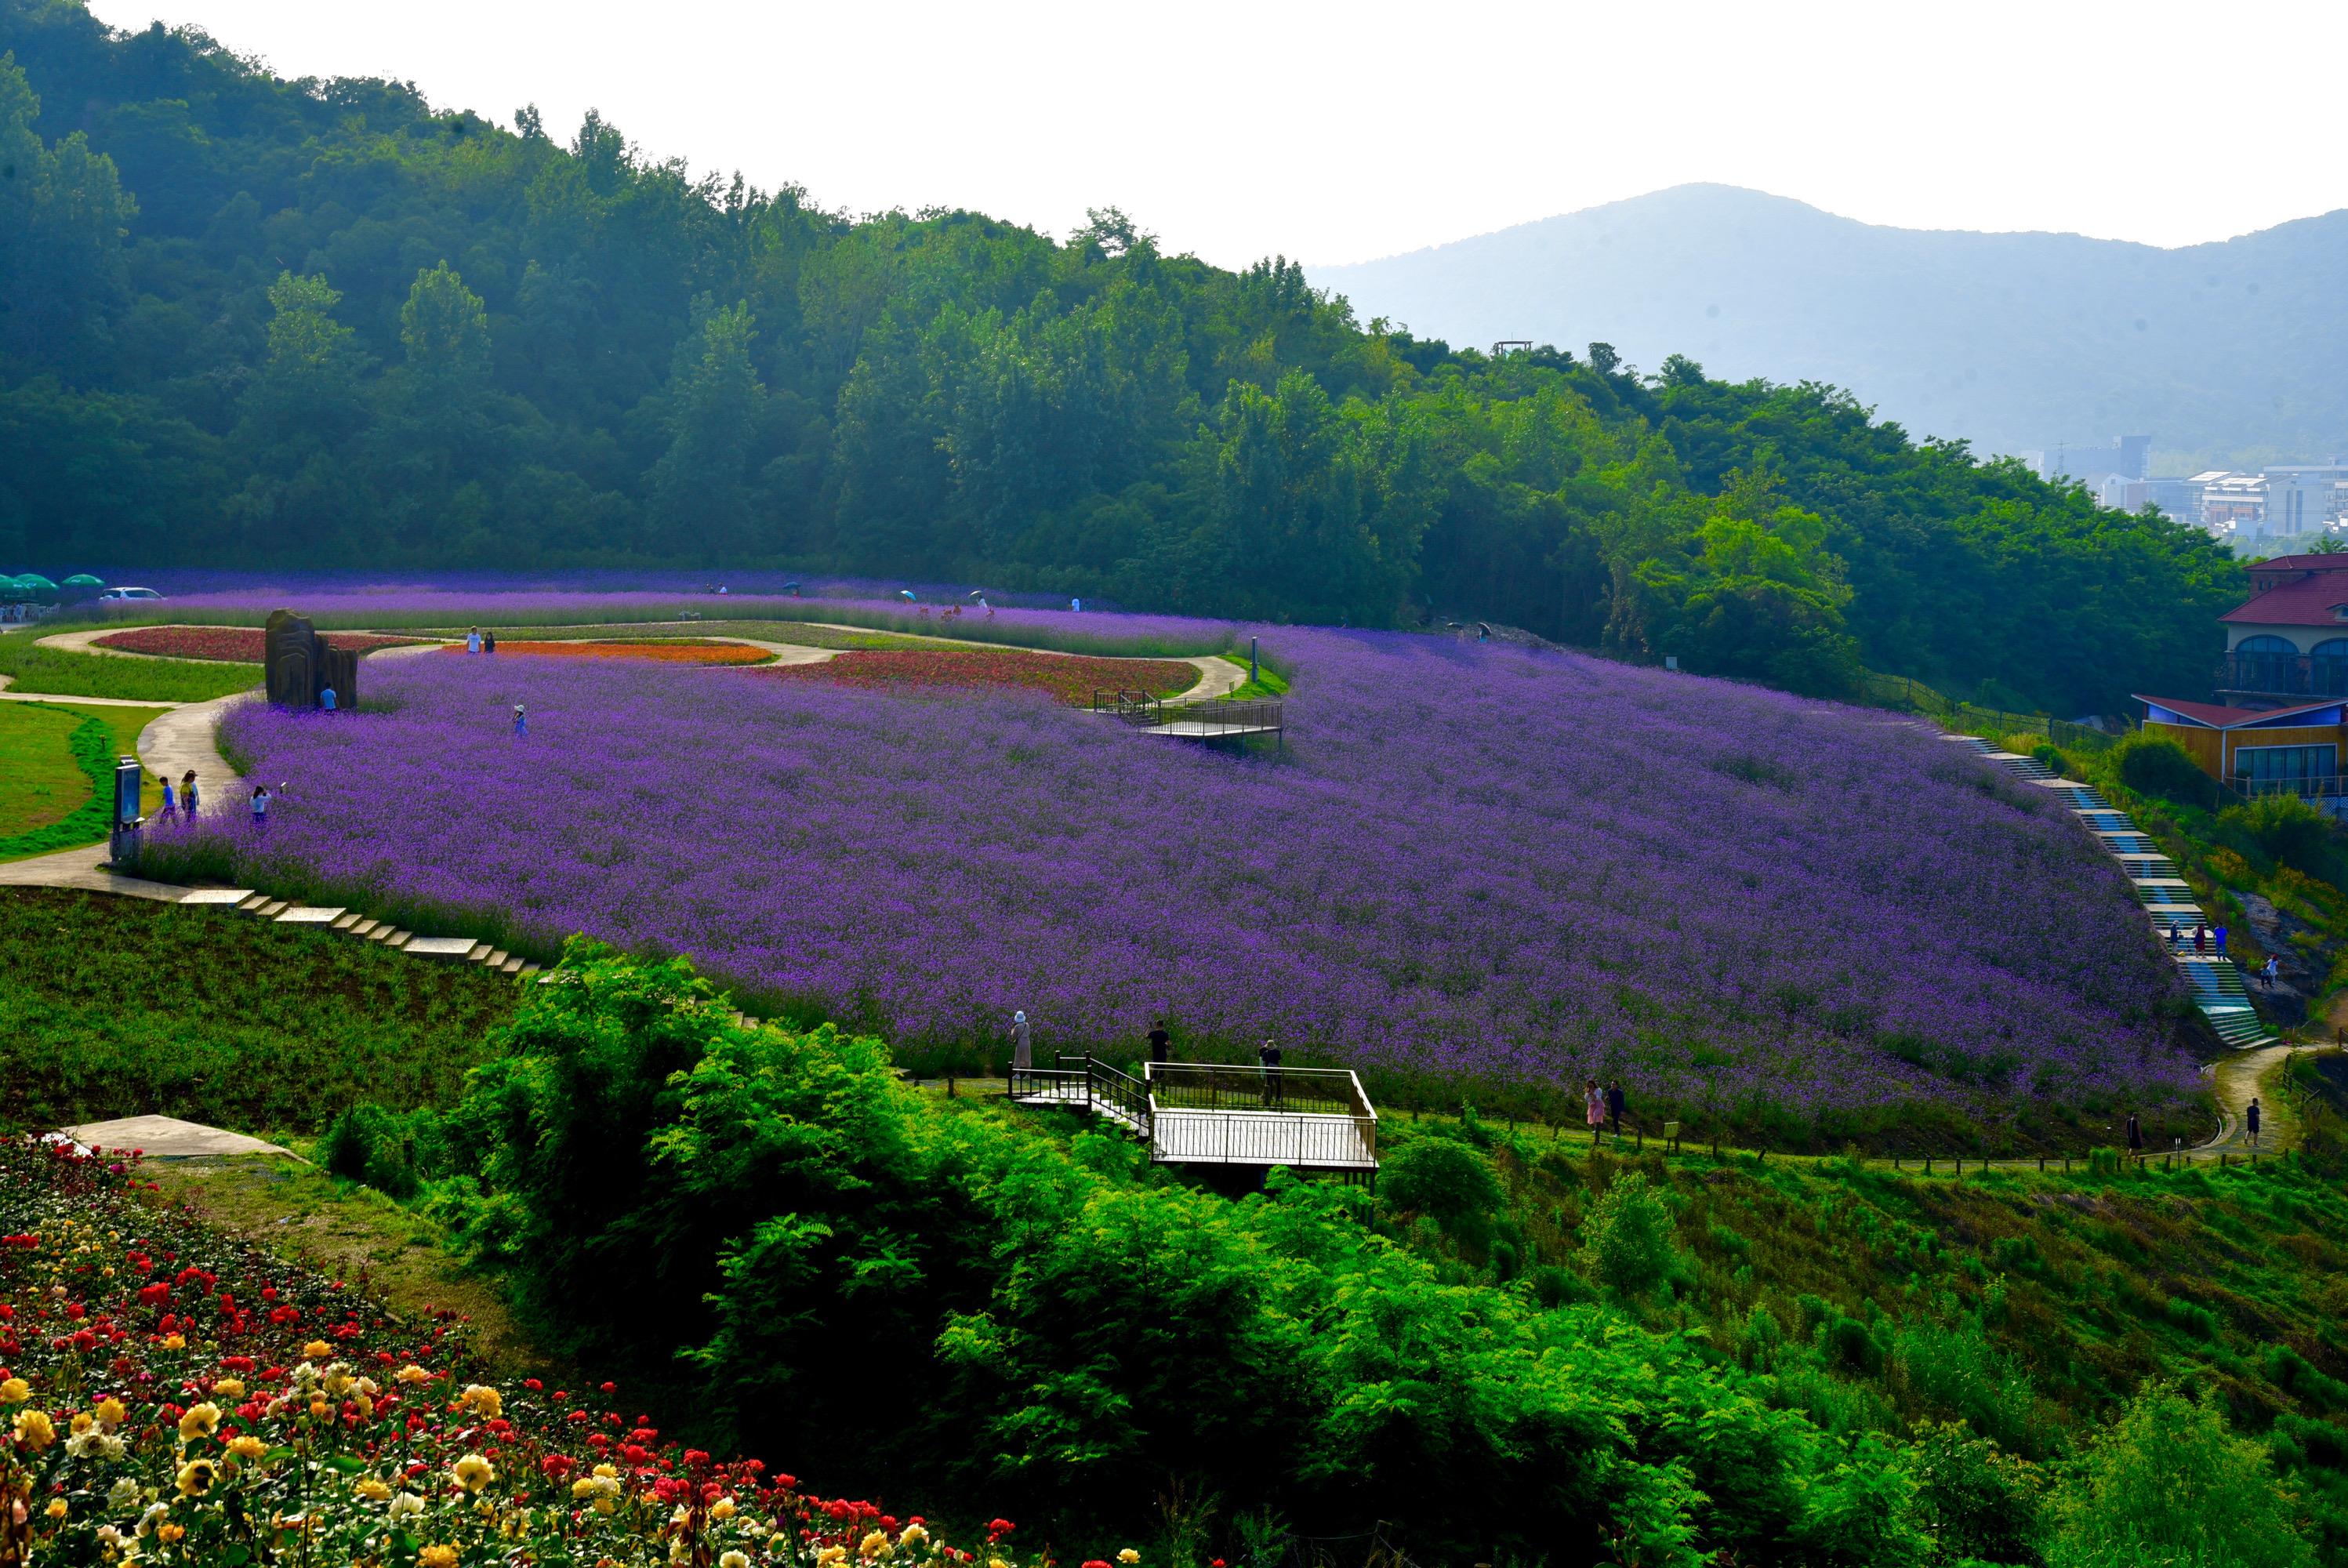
(130, 594)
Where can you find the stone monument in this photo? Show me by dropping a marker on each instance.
(299, 664)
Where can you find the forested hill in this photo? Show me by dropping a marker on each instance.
(251, 321)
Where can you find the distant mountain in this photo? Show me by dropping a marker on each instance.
(2012, 341)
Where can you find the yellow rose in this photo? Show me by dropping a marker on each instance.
(482, 1400)
(170, 1534)
(724, 1509)
(200, 1421)
(411, 1373)
(912, 1537)
(317, 1351)
(196, 1477)
(229, 1389)
(606, 1471)
(874, 1547)
(34, 1431)
(58, 1508)
(83, 1421)
(473, 1472)
(112, 1413)
(15, 1391)
(247, 1447)
(437, 1557)
(734, 1560)
(1128, 1557)
(374, 1490)
(175, 1342)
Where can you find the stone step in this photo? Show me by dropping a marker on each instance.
(310, 914)
(399, 939)
(362, 928)
(510, 966)
(344, 921)
(449, 949)
(272, 909)
(252, 904)
(217, 897)
(496, 958)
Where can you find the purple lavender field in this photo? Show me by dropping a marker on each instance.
(1476, 867)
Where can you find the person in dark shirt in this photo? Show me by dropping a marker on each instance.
(1161, 1043)
(1614, 1105)
(2135, 1135)
(1268, 1054)
(2251, 1117)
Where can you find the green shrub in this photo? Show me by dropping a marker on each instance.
(2051, 757)
(2286, 829)
(1973, 1501)
(2154, 764)
(390, 1151)
(2168, 1482)
(1628, 1238)
(1444, 1179)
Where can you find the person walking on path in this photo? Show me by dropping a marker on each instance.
(1593, 1108)
(522, 720)
(490, 641)
(1614, 1108)
(169, 804)
(1023, 1044)
(2221, 934)
(188, 794)
(1267, 1056)
(2135, 1134)
(1161, 1045)
(472, 639)
(2250, 1117)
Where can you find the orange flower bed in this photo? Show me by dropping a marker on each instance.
(677, 651)
(1071, 678)
(230, 645)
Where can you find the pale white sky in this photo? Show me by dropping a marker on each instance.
(1341, 132)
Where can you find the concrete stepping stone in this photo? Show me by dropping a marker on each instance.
(399, 939)
(344, 921)
(311, 915)
(167, 1138)
(453, 949)
(217, 897)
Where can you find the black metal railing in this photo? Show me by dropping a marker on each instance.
(2284, 675)
(1215, 717)
(1327, 1105)
(1084, 1083)
(1251, 1137)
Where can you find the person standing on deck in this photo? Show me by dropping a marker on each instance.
(1023, 1046)
(1267, 1056)
(1161, 1045)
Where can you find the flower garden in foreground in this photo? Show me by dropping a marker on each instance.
(170, 1397)
(1478, 869)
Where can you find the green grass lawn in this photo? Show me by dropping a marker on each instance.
(61, 672)
(41, 779)
(115, 1006)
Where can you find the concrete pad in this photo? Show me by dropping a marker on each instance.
(456, 949)
(168, 1138)
(310, 914)
(225, 897)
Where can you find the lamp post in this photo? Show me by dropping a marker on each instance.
(1252, 673)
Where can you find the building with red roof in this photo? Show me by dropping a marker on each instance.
(2296, 748)
(2289, 642)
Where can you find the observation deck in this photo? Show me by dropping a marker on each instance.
(1209, 1113)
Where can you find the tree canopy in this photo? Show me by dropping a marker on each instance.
(248, 321)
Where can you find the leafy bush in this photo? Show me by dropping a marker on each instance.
(2169, 1482)
(387, 1150)
(1629, 1237)
(1444, 1179)
(2287, 829)
(2156, 765)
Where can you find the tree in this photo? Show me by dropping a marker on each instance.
(700, 497)
(445, 332)
(64, 212)
(2168, 1481)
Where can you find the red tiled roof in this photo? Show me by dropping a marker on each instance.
(2309, 602)
(2333, 562)
(2219, 717)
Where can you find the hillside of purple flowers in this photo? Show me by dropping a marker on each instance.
(1475, 866)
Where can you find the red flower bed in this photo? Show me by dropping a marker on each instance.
(668, 651)
(172, 1394)
(1071, 678)
(230, 645)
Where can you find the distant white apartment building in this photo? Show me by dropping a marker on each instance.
(2256, 512)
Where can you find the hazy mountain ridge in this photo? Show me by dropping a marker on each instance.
(2011, 340)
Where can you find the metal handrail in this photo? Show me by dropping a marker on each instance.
(1244, 1095)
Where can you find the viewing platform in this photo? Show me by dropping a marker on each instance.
(1222, 720)
(1208, 1113)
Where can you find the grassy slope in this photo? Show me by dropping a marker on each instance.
(64, 673)
(40, 782)
(119, 1007)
